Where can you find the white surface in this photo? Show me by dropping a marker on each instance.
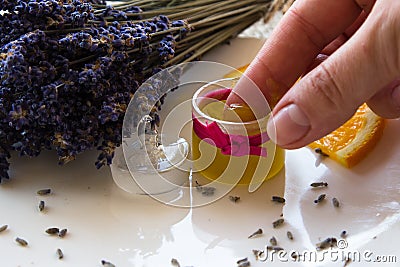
(104, 222)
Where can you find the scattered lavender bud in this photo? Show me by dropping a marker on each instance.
(243, 262)
(60, 254)
(320, 198)
(278, 223)
(107, 263)
(256, 233)
(273, 241)
(234, 198)
(335, 202)
(3, 228)
(258, 253)
(343, 234)
(278, 199)
(347, 261)
(62, 232)
(41, 205)
(21, 241)
(175, 262)
(44, 192)
(320, 152)
(319, 184)
(289, 235)
(52, 231)
(327, 243)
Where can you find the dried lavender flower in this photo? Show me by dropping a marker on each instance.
(273, 241)
(60, 254)
(59, 58)
(347, 261)
(278, 223)
(320, 152)
(319, 184)
(327, 243)
(289, 235)
(52, 231)
(21, 241)
(335, 202)
(256, 233)
(343, 234)
(3, 228)
(320, 198)
(44, 192)
(243, 262)
(107, 263)
(257, 253)
(278, 199)
(175, 262)
(41, 205)
(62, 232)
(234, 198)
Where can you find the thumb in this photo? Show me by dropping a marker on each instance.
(330, 94)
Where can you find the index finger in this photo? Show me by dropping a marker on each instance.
(307, 27)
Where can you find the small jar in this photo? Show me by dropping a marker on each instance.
(233, 151)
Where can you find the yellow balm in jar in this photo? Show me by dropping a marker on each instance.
(228, 143)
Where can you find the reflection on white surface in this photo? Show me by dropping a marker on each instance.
(104, 222)
(368, 193)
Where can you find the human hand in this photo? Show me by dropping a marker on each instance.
(348, 52)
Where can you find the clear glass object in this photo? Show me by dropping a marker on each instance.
(234, 159)
(146, 163)
(151, 151)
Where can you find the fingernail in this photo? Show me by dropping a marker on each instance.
(290, 124)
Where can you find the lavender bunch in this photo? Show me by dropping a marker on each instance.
(69, 68)
(24, 16)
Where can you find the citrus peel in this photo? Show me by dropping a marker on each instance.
(355, 139)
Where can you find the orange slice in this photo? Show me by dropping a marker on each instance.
(236, 73)
(351, 142)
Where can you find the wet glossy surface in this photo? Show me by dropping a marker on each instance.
(106, 223)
